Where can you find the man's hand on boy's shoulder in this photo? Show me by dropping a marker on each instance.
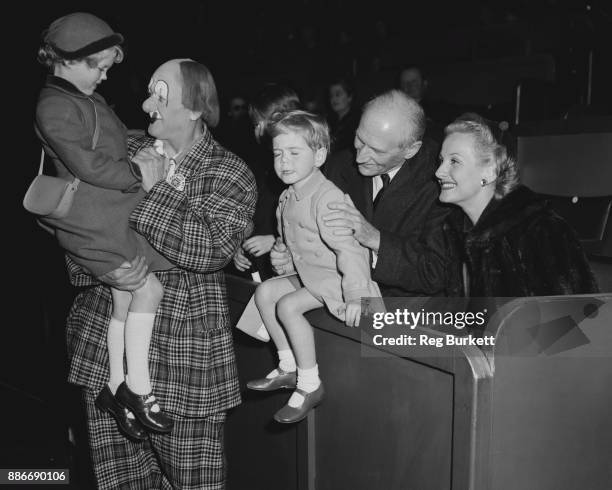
(347, 220)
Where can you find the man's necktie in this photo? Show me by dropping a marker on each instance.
(385, 183)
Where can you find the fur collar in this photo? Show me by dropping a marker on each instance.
(501, 215)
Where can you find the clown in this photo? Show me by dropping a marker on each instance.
(198, 209)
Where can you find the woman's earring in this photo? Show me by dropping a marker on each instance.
(483, 182)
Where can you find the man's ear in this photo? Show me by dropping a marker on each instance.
(320, 157)
(195, 115)
(412, 149)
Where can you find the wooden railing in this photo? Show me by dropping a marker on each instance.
(530, 412)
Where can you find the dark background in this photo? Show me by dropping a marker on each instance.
(244, 43)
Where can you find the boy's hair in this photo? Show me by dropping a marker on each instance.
(311, 127)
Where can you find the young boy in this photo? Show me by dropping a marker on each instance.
(331, 270)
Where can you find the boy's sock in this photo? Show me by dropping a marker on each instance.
(286, 363)
(138, 332)
(115, 340)
(307, 380)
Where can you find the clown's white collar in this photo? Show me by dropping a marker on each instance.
(159, 148)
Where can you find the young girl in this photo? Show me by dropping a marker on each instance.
(331, 270)
(85, 139)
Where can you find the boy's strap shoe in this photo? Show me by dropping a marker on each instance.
(289, 415)
(283, 380)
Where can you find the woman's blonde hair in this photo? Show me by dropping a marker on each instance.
(490, 148)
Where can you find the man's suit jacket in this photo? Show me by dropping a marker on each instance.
(412, 259)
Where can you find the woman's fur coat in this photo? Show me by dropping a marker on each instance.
(518, 247)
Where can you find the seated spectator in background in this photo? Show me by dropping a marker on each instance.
(238, 109)
(507, 241)
(393, 208)
(344, 116)
(252, 254)
(332, 270)
(235, 131)
(414, 83)
(313, 100)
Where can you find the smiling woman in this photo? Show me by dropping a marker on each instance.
(507, 241)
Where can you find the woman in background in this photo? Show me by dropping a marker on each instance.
(344, 118)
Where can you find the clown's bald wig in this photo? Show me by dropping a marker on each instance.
(199, 91)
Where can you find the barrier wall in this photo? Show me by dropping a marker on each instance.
(532, 412)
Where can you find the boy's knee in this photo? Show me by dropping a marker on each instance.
(285, 308)
(264, 294)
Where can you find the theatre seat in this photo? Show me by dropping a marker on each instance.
(570, 162)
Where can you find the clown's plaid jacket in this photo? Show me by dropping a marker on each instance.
(192, 362)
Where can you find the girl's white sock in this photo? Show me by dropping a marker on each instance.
(138, 332)
(115, 341)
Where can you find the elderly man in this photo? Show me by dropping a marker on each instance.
(393, 207)
(198, 209)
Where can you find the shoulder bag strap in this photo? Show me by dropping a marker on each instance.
(96, 127)
(42, 161)
(94, 142)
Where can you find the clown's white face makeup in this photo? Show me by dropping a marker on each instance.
(170, 120)
(160, 92)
